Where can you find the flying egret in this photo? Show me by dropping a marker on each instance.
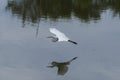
(62, 66)
(59, 36)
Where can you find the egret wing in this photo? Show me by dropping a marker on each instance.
(60, 35)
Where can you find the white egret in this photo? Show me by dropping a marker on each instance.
(62, 66)
(59, 36)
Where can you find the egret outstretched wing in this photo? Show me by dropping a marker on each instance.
(61, 36)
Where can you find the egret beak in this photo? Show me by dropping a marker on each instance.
(50, 37)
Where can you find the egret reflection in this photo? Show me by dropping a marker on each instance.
(62, 66)
(59, 36)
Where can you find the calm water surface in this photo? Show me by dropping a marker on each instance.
(25, 52)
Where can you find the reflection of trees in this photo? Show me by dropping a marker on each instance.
(56, 8)
(115, 6)
(34, 10)
(86, 10)
(28, 9)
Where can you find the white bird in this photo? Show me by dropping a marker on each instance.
(59, 36)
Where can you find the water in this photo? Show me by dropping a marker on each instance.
(25, 52)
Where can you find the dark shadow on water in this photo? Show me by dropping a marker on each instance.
(62, 66)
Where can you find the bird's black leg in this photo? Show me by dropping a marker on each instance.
(72, 41)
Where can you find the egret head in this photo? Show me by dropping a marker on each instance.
(54, 39)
